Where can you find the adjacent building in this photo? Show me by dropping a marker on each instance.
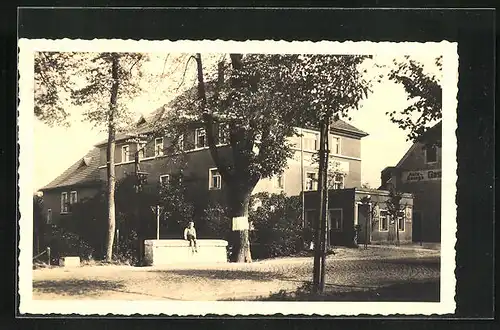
(366, 208)
(419, 173)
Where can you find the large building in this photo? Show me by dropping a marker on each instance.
(85, 178)
(419, 173)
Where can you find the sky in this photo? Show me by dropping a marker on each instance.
(57, 148)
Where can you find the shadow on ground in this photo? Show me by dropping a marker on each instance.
(76, 287)
(409, 292)
(225, 274)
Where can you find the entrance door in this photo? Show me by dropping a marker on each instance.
(364, 222)
(417, 226)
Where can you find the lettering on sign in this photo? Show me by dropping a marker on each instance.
(417, 176)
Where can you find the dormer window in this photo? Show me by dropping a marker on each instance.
(158, 147)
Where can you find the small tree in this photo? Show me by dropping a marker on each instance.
(394, 208)
(103, 83)
(177, 210)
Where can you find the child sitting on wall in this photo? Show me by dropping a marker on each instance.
(190, 235)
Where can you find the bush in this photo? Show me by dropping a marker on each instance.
(217, 223)
(277, 225)
(63, 243)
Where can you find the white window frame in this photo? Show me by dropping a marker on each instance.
(180, 142)
(210, 179)
(307, 137)
(402, 218)
(380, 220)
(141, 149)
(125, 153)
(337, 145)
(196, 137)
(314, 182)
(64, 202)
(165, 176)
(71, 200)
(159, 147)
(341, 219)
(224, 139)
(49, 217)
(342, 182)
(277, 181)
(425, 154)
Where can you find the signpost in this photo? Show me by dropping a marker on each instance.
(158, 210)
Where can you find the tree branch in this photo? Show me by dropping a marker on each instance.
(209, 122)
(184, 73)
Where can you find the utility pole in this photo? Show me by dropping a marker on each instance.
(157, 222)
(318, 225)
(324, 227)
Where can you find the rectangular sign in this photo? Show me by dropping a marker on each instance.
(417, 176)
(240, 223)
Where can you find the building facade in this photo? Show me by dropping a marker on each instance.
(202, 179)
(367, 208)
(419, 173)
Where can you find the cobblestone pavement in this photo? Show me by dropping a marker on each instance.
(345, 274)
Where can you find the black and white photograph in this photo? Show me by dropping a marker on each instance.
(237, 178)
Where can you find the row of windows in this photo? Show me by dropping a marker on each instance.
(215, 180)
(311, 181)
(310, 143)
(335, 219)
(200, 141)
(385, 219)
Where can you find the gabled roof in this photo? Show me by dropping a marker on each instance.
(85, 170)
(431, 135)
(342, 126)
(145, 124)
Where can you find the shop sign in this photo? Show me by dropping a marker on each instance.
(417, 176)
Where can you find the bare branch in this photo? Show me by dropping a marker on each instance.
(184, 73)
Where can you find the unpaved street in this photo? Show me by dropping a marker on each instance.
(378, 273)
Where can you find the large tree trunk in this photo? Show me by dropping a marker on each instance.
(111, 159)
(239, 200)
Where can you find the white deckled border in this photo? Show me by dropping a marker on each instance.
(100, 307)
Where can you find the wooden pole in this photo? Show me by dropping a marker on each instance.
(157, 222)
(318, 224)
(324, 221)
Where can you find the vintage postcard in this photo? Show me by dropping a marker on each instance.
(237, 178)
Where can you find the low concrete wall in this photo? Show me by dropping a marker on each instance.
(175, 251)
